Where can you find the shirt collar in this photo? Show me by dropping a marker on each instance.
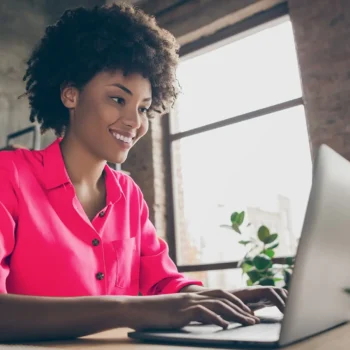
(55, 173)
(113, 188)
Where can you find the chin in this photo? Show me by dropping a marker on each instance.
(119, 159)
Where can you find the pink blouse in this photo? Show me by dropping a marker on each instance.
(49, 247)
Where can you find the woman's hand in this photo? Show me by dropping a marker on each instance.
(177, 310)
(255, 297)
(259, 297)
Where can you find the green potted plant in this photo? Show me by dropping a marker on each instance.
(257, 264)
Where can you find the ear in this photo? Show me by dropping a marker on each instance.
(69, 96)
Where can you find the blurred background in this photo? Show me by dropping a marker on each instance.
(264, 83)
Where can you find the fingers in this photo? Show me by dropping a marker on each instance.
(283, 294)
(239, 310)
(218, 306)
(201, 314)
(275, 296)
(229, 296)
(259, 297)
(229, 311)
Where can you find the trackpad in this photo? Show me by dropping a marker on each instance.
(235, 332)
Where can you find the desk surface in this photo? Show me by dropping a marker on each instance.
(336, 339)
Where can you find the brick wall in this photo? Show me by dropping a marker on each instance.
(140, 165)
(322, 34)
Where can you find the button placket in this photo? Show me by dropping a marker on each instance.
(100, 276)
(95, 242)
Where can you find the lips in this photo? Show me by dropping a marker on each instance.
(123, 133)
(121, 138)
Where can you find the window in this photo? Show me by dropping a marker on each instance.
(238, 141)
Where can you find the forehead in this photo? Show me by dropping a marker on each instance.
(135, 82)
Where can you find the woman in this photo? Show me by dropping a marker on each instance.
(76, 244)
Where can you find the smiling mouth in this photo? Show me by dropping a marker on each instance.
(125, 141)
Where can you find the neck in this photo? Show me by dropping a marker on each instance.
(82, 166)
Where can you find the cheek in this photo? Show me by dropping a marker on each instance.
(144, 127)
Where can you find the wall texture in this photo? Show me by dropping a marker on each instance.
(22, 23)
(322, 34)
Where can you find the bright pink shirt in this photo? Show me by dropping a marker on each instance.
(49, 247)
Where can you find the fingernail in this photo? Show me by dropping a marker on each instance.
(225, 324)
(248, 309)
(251, 321)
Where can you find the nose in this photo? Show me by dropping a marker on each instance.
(132, 119)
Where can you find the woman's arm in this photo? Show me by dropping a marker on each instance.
(42, 318)
(31, 318)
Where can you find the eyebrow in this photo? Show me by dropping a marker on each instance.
(124, 88)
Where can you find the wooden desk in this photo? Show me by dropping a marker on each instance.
(336, 339)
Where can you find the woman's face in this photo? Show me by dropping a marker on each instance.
(109, 115)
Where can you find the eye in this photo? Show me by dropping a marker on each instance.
(119, 100)
(144, 110)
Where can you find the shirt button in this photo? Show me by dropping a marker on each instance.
(100, 276)
(95, 242)
(102, 214)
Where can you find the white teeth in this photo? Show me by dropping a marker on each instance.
(122, 138)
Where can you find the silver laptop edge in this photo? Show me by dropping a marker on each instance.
(316, 300)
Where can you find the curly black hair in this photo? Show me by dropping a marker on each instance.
(85, 42)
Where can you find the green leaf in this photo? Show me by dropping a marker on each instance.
(245, 260)
(270, 273)
(236, 227)
(234, 217)
(263, 233)
(246, 267)
(267, 282)
(269, 252)
(254, 275)
(240, 218)
(347, 290)
(274, 246)
(271, 238)
(290, 261)
(245, 242)
(262, 262)
(278, 279)
(249, 283)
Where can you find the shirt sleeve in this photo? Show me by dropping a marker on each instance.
(8, 209)
(158, 273)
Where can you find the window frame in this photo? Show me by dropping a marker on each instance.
(244, 27)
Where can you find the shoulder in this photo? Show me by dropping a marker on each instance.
(17, 161)
(10, 159)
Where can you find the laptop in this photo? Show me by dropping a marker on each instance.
(317, 301)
